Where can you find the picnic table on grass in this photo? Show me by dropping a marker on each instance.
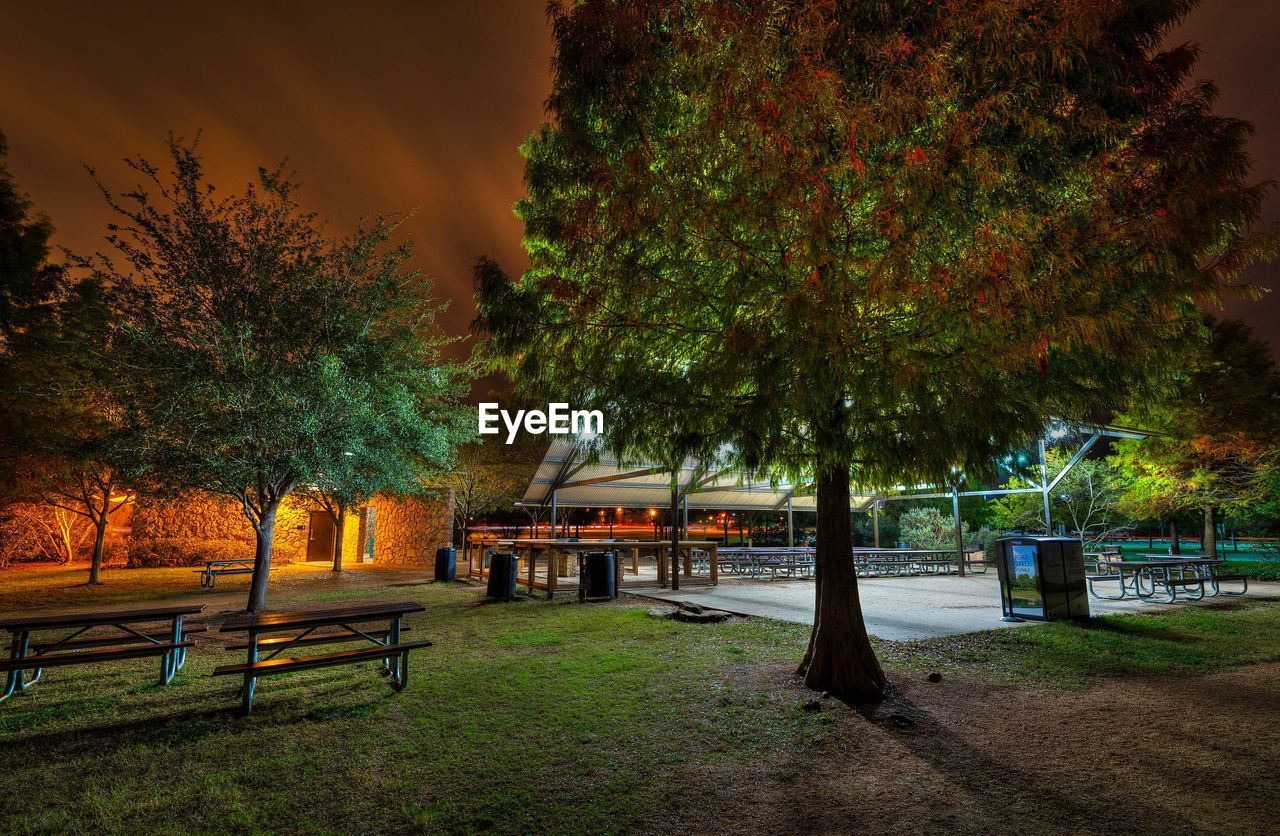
(693, 554)
(274, 633)
(127, 637)
(1160, 579)
(214, 569)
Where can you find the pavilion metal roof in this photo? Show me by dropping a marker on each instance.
(568, 473)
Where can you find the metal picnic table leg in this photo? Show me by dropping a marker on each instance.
(172, 659)
(17, 650)
(400, 661)
(250, 681)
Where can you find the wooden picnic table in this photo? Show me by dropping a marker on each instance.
(213, 569)
(76, 647)
(274, 633)
(558, 549)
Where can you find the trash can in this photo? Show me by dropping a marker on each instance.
(1041, 578)
(599, 578)
(446, 563)
(502, 576)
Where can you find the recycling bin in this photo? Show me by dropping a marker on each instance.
(598, 577)
(502, 576)
(446, 563)
(1041, 578)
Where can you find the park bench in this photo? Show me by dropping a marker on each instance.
(274, 633)
(128, 639)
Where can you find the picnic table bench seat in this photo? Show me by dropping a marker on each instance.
(298, 629)
(284, 664)
(130, 638)
(84, 657)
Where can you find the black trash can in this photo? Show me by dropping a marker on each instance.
(502, 576)
(599, 577)
(446, 563)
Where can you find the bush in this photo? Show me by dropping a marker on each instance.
(928, 528)
(173, 551)
(1254, 570)
(989, 538)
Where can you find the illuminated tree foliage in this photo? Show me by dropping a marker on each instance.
(61, 422)
(269, 355)
(29, 285)
(1219, 444)
(865, 240)
(1086, 500)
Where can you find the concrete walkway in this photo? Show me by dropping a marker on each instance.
(902, 608)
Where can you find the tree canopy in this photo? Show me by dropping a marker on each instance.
(1218, 444)
(884, 241)
(268, 354)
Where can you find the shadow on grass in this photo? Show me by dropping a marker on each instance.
(970, 769)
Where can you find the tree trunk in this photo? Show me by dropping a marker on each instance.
(339, 528)
(95, 568)
(1174, 546)
(1210, 533)
(839, 658)
(264, 532)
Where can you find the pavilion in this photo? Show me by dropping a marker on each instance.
(573, 475)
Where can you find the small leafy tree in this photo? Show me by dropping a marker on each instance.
(265, 352)
(60, 372)
(29, 287)
(1086, 500)
(491, 476)
(929, 528)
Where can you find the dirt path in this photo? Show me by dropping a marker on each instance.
(1159, 755)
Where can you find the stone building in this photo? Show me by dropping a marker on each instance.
(389, 530)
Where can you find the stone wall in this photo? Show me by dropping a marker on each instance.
(203, 520)
(405, 531)
(408, 531)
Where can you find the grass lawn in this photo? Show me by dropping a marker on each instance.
(524, 717)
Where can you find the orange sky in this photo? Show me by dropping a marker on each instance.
(385, 106)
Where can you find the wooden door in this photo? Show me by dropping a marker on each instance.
(320, 537)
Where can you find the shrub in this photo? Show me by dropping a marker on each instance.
(174, 551)
(928, 528)
(1254, 570)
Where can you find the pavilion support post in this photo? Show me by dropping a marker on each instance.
(684, 533)
(791, 526)
(875, 520)
(554, 533)
(673, 565)
(1044, 488)
(955, 512)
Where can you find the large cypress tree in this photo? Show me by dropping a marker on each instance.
(863, 240)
